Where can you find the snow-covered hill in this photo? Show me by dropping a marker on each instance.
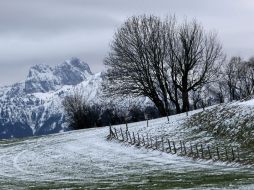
(84, 159)
(34, 106)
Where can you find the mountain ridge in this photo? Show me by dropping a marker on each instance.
(34, 106)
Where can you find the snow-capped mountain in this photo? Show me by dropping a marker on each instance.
(34, 106)
(43, 78)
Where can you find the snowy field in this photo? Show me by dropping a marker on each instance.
(86, 160)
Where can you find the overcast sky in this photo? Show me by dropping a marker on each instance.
(51, 31)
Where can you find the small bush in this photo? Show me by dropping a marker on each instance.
(80, 114)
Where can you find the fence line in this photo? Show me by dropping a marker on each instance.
(199, 150)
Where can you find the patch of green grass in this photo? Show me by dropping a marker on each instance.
(153, 180)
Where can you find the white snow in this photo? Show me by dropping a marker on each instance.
(85, 158)
(249, 103)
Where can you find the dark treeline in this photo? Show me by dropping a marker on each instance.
(80, 114)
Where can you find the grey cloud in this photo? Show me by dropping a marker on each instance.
(50, 31)
(30, 19)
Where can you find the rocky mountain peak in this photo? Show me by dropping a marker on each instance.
(72, 72)
(38, 69)
(78, 64)
(43, 78)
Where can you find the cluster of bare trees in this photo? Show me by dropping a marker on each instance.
(81, 114)
(235, 81)
(179, 66)
(238, 78)
(163, 60)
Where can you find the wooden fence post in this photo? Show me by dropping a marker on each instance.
(122, 134)
(110, 134)
(147, 139)
(162, 143)
(226, 151)
(116, 133)
(218, 153)
(202, 151)
(185, 152)
(191, 149)
(209, 152)
(130, 137)
(127, 138)
(138, 140)
(174, 147)
(134, 139)
(169, 146)
(156, 143)
(147, 123)
(238, 154)
(233, 154)
(126, 126)
(143, 139)
(181, 147)
(197, 153)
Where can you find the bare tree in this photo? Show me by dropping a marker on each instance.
(137, 60)
(239, 78)
(232, 79)
(161, 60)
(194, 59)
(196, 97)
(246, 78)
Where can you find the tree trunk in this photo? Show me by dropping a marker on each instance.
(178, 109)
(185, 93)
(159, 104)
(162, 110)
(185, 98)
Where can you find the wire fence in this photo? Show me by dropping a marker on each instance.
(182, 148)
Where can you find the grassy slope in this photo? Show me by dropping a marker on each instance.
(227, 125)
